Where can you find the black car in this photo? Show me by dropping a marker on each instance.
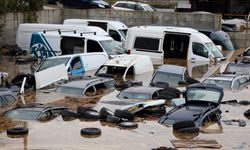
(86, 4)
(202, 105)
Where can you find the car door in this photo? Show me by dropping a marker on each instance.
(76, 67)
(149, 46)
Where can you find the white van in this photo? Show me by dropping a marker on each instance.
(160, 42)
(53, 43)
(116, 29)
(25, 31)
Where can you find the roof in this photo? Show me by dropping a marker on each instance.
(172, 69)
(142, 89)
(124, 60)
(116, 24)
(82, 84)
(161, 29)
(225, 77)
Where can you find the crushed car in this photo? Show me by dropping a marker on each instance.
(126, 65)
(202, 105)
(87, 87)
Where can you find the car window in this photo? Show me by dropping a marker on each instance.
(109, 84)
(137, 7)
(120, 5)
(70, 91)
(130, 6)
(222, 83)
(71, 45)
(9, 98)
(93, 46)
(200, 50)
(130, 95)
(76, 63)
(167, 77)
(112, 47)
(146, 44)
(2, 101)
(199, 94)
(52, 63)
(22, 113)
(236, 84)
(91, 91)
(115, 35)
(242, 80)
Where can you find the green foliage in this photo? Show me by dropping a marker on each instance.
(20, 5)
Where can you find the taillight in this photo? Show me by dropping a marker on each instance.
(129, 51)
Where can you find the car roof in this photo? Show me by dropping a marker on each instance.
(172, 69)
(82, 84)
(4, 92)
(142, 89)
(225, 77)
(131, 2)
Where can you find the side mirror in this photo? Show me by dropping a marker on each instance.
(219, 47)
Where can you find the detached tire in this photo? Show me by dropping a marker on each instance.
(91, 115)
(105, 112)
(186, 133)
(183, 124)
(123, 114)
(69, 113)
(247, 114)
(91, 132)
(128, 125)
(113, 119)
(17, 131)
(82, 110)
(174, 90)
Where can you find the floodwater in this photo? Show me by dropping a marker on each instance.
(65, 135)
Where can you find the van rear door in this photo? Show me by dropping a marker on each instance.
(149, 46)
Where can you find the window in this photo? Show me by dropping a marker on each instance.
(115, 35)
(236, 85)
(76, 63)
(130, 6)
(2, 101)
(200, 49)
(70, 45)
(9, 98)
(120, 5)
(146, 44)
(93, 46)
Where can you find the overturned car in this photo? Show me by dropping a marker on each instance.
(202, 106)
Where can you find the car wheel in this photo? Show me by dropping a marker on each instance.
(123, 114)
(82, 110)
(69, 113)
(91, 115)
(104, 113)
(244, 102)
(186, 133)
(128, 125)
(183, 124)
(17, 131)
(247, 114)
(91, 131)
(112, 119)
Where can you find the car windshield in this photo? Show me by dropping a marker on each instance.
(70, 91)
(52, 63)
(123, 32)
(222, 83)
(238, 68)
(112, 47)
(167, 77)
(128, 95)
(214, 49)
(200, 94)
(148, 8)
(23, 114)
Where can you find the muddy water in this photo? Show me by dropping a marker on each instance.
(60, 134)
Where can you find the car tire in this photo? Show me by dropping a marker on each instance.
(244, 103)
(186, 133)
(17, 131)
(128, 125)
(174, 90)
(91, 115)
(69, 113)
(247, 114)
(82, 110)
(91, 131)
(183, 124)
(112, 119)
(123, 114)
(105, 112)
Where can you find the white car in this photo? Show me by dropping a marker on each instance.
(131, 5)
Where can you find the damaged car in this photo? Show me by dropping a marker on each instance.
(202, 105)
(87, 87)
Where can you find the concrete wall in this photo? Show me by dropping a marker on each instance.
(240, 39)
(132, 18)
(12, 20)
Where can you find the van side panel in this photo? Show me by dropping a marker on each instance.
(92, 61)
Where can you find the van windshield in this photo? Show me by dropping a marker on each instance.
(52, 63)
(123, 32)
(216, 52)
(112, 47)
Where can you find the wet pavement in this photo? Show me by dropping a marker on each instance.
(59, 134)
